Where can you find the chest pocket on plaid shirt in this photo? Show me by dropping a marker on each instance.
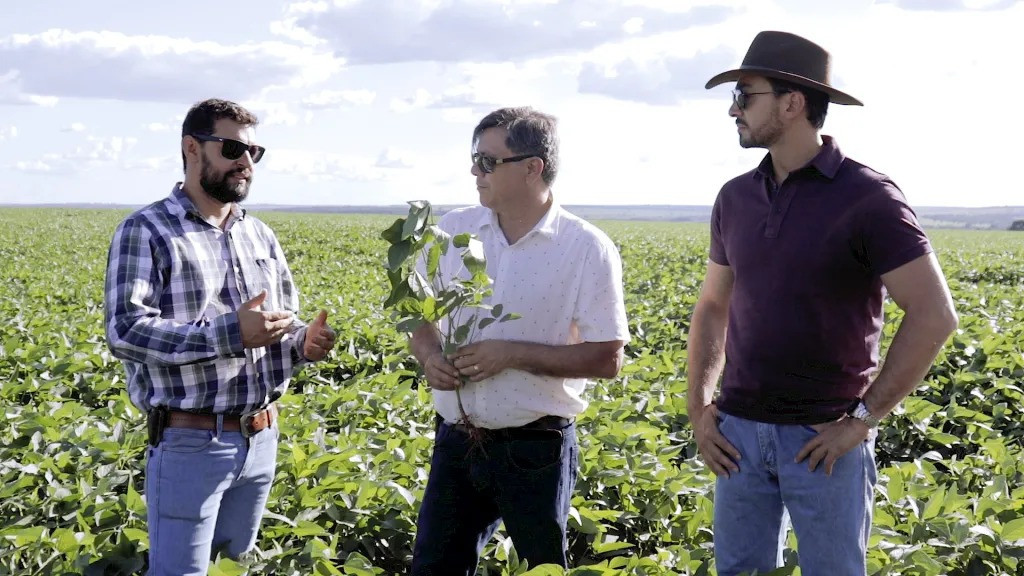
(267, 277)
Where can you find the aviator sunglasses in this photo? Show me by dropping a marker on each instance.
(486, 164)
(233, 149)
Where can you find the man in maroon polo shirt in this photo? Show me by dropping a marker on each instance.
(804, 249)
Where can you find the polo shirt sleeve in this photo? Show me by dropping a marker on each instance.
(600, 312)
(890, 233)
(717, 244)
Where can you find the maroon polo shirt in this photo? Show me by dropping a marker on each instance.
(806, 310)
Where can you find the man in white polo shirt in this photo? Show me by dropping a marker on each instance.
(525, 378)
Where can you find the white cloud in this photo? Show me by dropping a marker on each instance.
(464, 96)
(161, 164)
(664, 80)
(98, 152)
(326, 99)
(50, 164)
(272, 113)
(112, 65)
(8, 133)
(323, 166)
(157, 127)
(11, 92)
(461, 30)
(395, 158)
(74, 127)
(951, 5)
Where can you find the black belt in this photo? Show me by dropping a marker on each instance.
(544, 425)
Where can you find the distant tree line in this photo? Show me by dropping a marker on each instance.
(1017, 225)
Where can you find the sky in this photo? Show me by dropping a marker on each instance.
(373, 102)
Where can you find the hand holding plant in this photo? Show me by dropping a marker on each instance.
(421, 294)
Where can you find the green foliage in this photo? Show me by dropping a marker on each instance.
(357, 429)
(420, 294)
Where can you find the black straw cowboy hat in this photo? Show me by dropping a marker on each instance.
(788, 57)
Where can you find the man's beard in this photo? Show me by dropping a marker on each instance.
(220, 189)
(766, 135)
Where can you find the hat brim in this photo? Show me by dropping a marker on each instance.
(836, 96)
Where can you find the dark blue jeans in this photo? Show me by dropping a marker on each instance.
(522, 477)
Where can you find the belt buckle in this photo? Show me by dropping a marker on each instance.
(245, 420)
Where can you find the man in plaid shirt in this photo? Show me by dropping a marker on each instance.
(201, 308)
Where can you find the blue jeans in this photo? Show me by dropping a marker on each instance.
(831, 515)
(526, 480)
(205, 492)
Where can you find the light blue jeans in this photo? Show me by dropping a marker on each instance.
(205, 492)
(831, 515)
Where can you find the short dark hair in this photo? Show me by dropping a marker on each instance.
(817, 101)
(529, 132)
(202, 117)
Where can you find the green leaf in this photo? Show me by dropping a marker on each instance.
(393, 234)
(414, 223)
(496, 311)
(473, 257)
(433, 260)
(462, 240)
(226, 567)
(485, 323)
(398, 254)
(410, 324)
(461, 333)
(1013, 530)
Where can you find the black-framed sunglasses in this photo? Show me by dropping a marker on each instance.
(742, 99)
(486, 164)
(233, 149)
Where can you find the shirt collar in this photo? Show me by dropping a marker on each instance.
(183, 205)
(827, 161)
(546, 226)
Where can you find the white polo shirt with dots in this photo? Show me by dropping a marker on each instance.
(564, 278)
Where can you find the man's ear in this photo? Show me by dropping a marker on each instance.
(796, 104)
(535, 168)
(190, 148)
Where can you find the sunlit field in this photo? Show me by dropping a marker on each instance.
(357, 428)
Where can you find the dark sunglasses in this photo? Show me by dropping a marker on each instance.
(742, 99)
(486, 164)
(233, 149)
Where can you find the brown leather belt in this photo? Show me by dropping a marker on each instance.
(248, 424)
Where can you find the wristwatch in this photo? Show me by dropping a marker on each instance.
(860, 412)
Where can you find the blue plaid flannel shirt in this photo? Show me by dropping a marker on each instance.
(174, 283)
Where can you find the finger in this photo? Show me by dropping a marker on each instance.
(320, 321)
(717, 467)
(325, 343)
(717, 458)
(816, 458)
(464, 350)
(807, 449)
(277, 325)
(255, 302)
(278, 315)
(439, 382)
(438, 363)
(723, 445)
(829, 463)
